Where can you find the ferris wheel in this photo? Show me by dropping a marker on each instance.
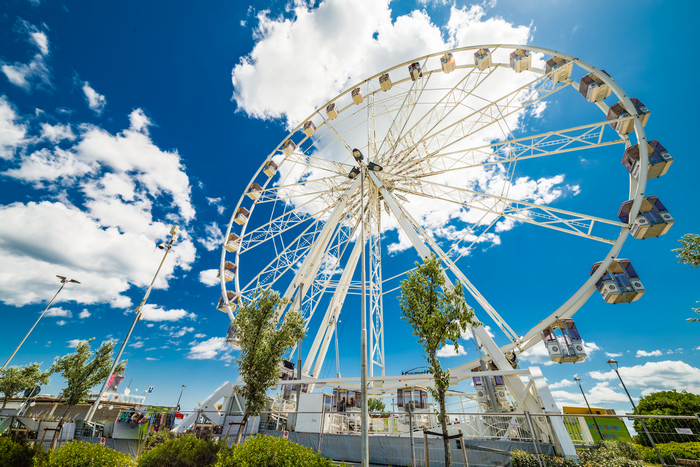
(454, 154)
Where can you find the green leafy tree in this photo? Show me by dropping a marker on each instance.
(84, 369)
(263, 341)
(438, 314)
(83, 454)
(15, 379)
(185, 451)
(689, 253)
(668, 403)
(376, 405)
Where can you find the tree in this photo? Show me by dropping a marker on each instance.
(438, 314)
(15, 379)
(668, 403)
(263, 341)
(689, 253)
(84, 369)
(376, 405)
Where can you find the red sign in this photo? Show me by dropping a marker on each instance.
(102, 441)
(286, 434)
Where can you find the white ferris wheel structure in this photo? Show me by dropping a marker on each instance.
(435, 152)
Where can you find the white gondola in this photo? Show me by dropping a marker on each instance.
(232, 299)
(414, 71)
(520, 60)
(559, 68)
(593, 88)
(659, 160)
(270, 168)
(447, 62)
(385, 82)
(620, 283)
(242, 215)
(309, 128)
(499, 390)
(619, 111)
(414, 398)
(229, 271)
(231, 337)
(653, 219)
(288, 147)
(233, 243)
(357, 96)
(254, 191)
(566, 347)
(332, 111)
(482, 59)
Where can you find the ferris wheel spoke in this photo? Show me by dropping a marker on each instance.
(455, 132)
(551, 143)
(306, 162)
(553, 218)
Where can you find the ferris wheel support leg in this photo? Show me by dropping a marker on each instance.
(562, 439)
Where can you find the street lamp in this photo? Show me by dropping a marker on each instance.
(64, 281)
(578, 380)
(139, 315)
(613, 365)
(178, 399)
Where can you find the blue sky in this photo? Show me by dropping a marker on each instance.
(119, 119)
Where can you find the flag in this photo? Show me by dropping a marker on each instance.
(150, 389)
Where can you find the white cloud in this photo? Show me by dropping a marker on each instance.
(561, 384)
(56, 133)
(214, 348)
(137, 345)
(58, 312)
(653, 353)
(449, 351)
(220, 208)
(152, 359)
(181, 332)
(108, 242)
(209, 277)
(660, 376)
(95, 100)
(61, 322)
(84, 314)
(36, 72)
(12, 132)
(213, 238)
(613, 355)
(200, 336)
(73, 343)
(156, 313)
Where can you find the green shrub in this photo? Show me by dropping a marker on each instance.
(157, 437)
(271, 451)
(17, 453)
(612, 453)
(186, 451)
(80, 454)
(525, 459)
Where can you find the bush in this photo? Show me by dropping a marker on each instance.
(668, 450)
(17, 454)
(157, 437)
(525, 459)
(270, 451)
(186, 451)
(612, 453)
(80, 454)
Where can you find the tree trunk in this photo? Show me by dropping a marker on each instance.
(4, 403)
(241, 428)
(443, 422)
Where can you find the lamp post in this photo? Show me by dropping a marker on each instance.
(613, 365)
(578, 380)
(64, 281)
(163, 246)
(178, 399)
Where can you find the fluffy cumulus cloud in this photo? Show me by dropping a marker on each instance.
(656, 376)
(298, 64)
(653, 353)
(156, 313)
(95, 100)
(12, 131)
(209, 277)
(34, 73)
(97, 209)
(214, 348)
(58, 312)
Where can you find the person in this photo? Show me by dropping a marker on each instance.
(342, 405)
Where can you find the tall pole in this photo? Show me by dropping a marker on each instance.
(64, 281)
(178, 399)
(173, 237)
(363, 336)
(578, 380)
(613, 365)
